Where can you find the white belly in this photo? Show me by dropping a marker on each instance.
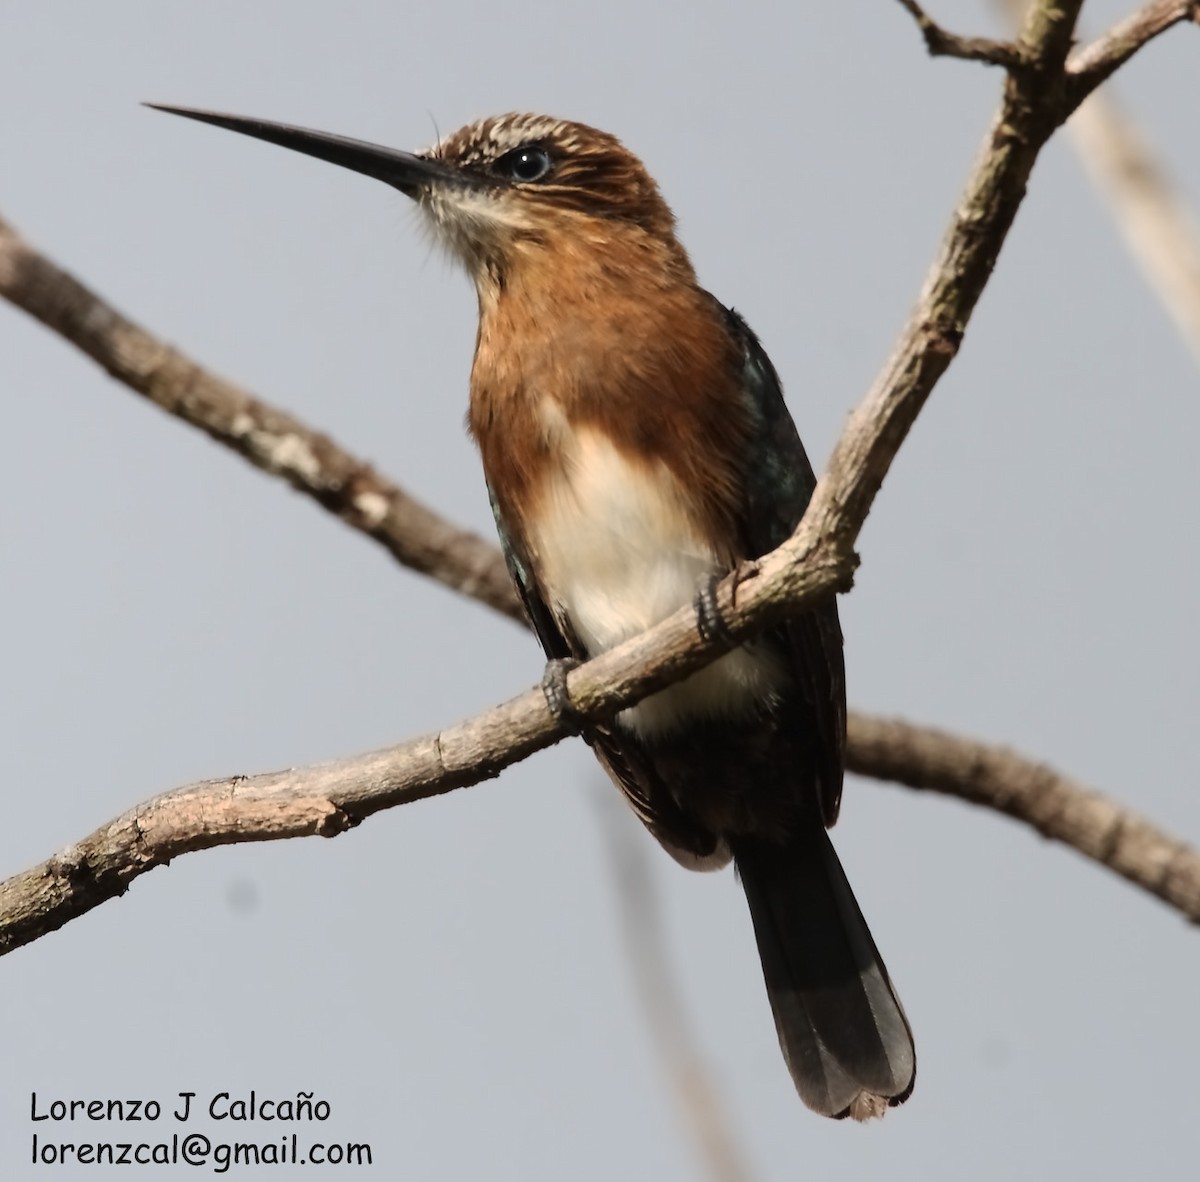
(617, 554)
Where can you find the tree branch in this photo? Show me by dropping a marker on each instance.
(271, 439)
(1028, 116)
(1090, 66)
(816, 561)
(942, 43)
(326, 799)
(1056, 806)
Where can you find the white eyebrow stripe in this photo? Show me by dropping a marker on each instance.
(491, 138)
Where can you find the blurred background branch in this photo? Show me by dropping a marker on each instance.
(1136, 184)
(686, 1071)
(1130, 174)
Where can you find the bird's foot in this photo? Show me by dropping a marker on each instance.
(558, 696)
(710, 622)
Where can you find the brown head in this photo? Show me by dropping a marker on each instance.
(499, 190)
(589, 308)
(541, 182)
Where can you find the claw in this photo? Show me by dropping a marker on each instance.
(558, 697)
(709, 621)
(748, 569)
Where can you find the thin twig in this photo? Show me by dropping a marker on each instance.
(942, 43)
(1091, 65)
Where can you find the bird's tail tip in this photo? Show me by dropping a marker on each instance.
(842, 1030)
(869, 1106)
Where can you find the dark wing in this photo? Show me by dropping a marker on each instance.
(778, 484)
(621, 755)
(555, 642)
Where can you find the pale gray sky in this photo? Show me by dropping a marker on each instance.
(449, 976)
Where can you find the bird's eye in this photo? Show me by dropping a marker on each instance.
(524, 164)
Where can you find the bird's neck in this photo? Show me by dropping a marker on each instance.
(613, 338)
(583, 273)
(584, 320)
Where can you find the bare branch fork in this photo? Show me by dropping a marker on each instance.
(1085, 69)
(1040, 90)
(1154, 219)
(942, 43)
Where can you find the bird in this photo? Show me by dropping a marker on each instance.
(637, 448)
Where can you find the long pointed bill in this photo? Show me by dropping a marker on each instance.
(401, 170)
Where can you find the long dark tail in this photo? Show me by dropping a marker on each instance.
(841, 1027)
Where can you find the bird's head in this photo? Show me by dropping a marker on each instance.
(501, 192)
